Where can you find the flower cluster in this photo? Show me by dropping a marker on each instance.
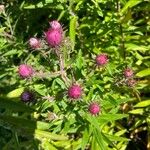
(54, 37)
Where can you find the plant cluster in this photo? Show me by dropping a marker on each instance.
(74, 75)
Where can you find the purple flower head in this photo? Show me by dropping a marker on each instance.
(27, 96)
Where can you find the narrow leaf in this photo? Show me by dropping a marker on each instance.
(130, 4)
(137, 111)
(143, 103)
(143, 73)
(72, 29)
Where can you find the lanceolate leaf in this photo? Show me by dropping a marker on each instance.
(111, 117)
(15, 93)
(85, 139)
(143, 73)
(143, 103)
(99, 139)
(72, 29)
(44, 134)
(130, 4)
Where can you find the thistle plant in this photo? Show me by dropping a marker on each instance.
(74, 75)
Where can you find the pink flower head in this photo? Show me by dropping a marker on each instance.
(25, 71)
(55, 25)
(54, 37)
(128, 72)
(34, 43)
(74, 92)
(102, 59)
(94, 108)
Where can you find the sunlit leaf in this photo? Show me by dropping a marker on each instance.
(143, 73)
(144, 103)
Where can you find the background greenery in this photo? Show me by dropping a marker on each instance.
(120, 28)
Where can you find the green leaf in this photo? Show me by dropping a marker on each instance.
(42, 125)
(137, 111)
(48, 1)
(40, 88)
(99, 139)
(44, 134)
(46, 145)
(143, 73)
(11, 52)
(135, 47)
(15, 93)
(61, 83)
(85, 139)
(111, 117)
(93, 121)
(2, 29)
(94, 144)
(38, 5)
(143, 103)
(72, 29)
(79, 62)
(115, 138)
(130, 4)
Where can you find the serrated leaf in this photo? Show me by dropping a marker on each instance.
(143, 73)
(143, 103)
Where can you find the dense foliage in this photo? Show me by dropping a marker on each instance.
(82, 84)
